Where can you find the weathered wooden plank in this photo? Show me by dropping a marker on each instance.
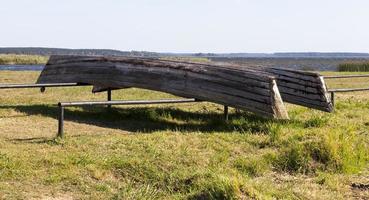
(309, 76)
(301, 94)
(309, 103)
(298, 87)
(298, 81)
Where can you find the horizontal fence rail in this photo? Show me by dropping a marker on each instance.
(348, 90)
(347, 76)
(135, 102)
(16, 86)
(341, 90)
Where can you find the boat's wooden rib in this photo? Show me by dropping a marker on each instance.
(237, 87)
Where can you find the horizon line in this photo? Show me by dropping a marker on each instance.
(168, 52)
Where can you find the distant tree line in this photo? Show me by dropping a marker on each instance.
(110, 52)
(81, 52)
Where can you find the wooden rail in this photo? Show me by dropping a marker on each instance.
(348, 90)
(347, 76)
(341, 90)
(42, 85)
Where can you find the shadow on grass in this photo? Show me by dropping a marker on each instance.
(151, 119)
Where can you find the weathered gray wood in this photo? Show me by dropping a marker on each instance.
(302, 88)
(297, 87)
(308, 103)
(237, 87)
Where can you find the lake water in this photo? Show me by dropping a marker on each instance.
(22, 67)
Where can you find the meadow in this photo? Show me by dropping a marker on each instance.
(184, 151)
(14, 59)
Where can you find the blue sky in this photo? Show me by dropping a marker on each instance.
(188, 25)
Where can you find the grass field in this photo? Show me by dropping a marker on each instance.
(13, 59)
(178, 151)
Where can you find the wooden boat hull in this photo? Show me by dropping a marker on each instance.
(239, 88)
(298, 87)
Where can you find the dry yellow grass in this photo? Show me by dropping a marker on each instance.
(15, 59)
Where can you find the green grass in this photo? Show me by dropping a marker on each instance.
(354, 67)
(183, 151)
(13, 59)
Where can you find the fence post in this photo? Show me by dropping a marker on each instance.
(61, 121)
(332, 99)
(226, 113)
(42, 89)
(109, 96)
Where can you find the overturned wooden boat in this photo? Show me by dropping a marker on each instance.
(258, 90)
(297, 87)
